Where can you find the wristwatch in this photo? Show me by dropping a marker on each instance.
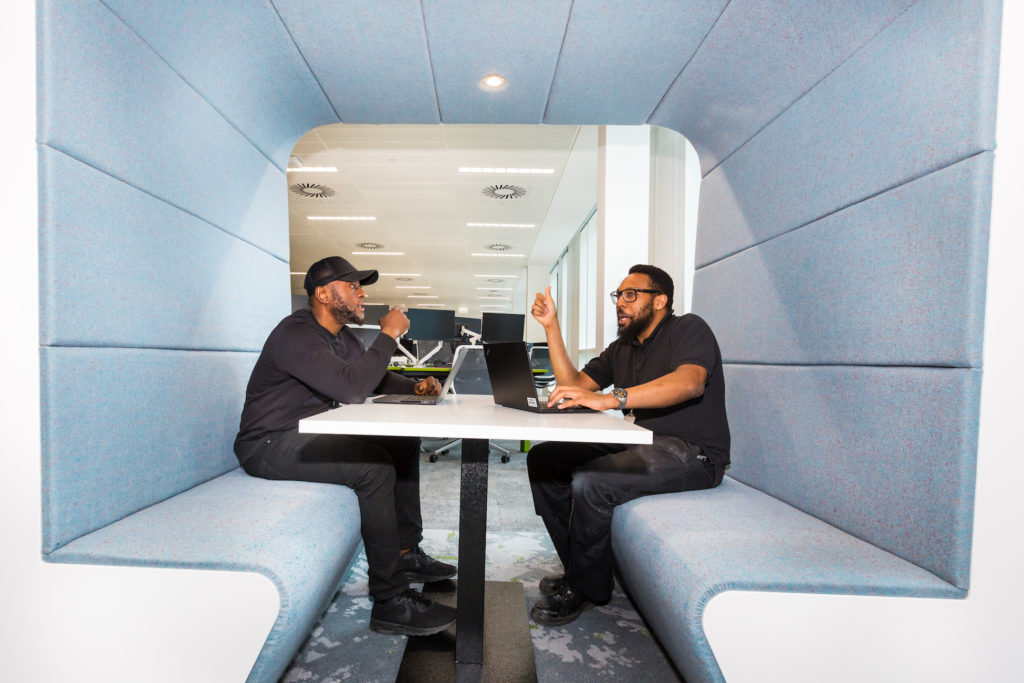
(620, 395)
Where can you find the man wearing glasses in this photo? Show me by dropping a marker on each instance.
(667, 374)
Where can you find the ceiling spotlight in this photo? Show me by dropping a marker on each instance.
(493, 82)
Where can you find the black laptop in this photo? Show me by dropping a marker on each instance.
(429, 400)
(508, 366)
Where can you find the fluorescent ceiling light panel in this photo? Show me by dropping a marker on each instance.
(313, 169)
(501, 225)
(433, 305)
(341, 218)
(506, 169)
(422, 296)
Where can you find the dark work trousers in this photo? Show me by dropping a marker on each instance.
(384, 472)
(576, 487)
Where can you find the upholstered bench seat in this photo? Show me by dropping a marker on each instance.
(302, 536)
(677, 551)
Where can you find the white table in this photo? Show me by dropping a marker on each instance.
(474, 419)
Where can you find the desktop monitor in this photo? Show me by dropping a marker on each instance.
(502, 327)
(374, 312)
(471, 324)
(430, 325)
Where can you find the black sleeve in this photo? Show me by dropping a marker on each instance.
(693, 343)
(599, 368)
(308, 357)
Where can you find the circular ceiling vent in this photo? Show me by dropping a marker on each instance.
(404, 279)
(499, 247)
(504, 191)
(496, 279)
(370, 246)
(311, 190)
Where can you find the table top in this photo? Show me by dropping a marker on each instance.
(474, 417)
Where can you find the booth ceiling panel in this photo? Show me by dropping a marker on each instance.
(370, 57)
(760, 58)
(470, 39)
(240, 58)
(618, 59)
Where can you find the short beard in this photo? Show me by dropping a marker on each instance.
(632, 330)
(342, 313)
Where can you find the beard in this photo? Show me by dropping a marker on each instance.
(344, 314)
(634, 327)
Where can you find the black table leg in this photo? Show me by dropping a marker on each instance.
(469, 628)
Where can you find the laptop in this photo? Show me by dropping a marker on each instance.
(508, 366)
(428, 400)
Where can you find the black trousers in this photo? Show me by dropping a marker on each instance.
(384, 472)
(576, 487)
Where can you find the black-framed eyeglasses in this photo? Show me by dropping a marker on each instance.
(629, 295)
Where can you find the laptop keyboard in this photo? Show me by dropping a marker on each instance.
(409, 398)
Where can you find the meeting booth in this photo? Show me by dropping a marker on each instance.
(846, 152)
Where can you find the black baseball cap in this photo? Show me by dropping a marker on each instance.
(327, 270)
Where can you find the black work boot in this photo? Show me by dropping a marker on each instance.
(410, 614)
(561, 607)
(422, 568)
(550, 584)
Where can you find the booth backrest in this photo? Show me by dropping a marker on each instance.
(847, 287)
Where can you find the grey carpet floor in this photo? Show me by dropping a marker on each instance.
(605, 643)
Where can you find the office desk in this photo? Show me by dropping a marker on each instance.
(475, 419)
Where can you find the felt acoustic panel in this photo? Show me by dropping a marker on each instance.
(746, 540)
(123, 429)
(916, 98)
(107, 99)
(872, 284)
(758, 60)
(119, 267)
(370, 57)
(470, 39)
(240, 58)
(886, 454)
(300, 535)
(618, 59)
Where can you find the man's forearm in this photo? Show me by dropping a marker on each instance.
(564, 369)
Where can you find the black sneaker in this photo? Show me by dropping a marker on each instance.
(422, 568)
(550, 584)
(561, 607)
(410, 614)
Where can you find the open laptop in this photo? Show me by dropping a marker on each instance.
(508, 366)
(428, 400)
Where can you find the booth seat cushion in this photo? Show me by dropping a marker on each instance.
(676, 551)
(300, 535)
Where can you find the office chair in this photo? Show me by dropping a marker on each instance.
(472, 378)
(540, 359)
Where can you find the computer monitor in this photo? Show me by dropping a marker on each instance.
(374, 312)
(502, 327)
(430, 324)
(366, 333)
(471, 324)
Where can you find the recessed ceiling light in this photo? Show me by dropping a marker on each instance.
(506, 169)
(493, 82)
(378, 253)
(313, 169)
(341, 218)
(501, 225)
(512, 255)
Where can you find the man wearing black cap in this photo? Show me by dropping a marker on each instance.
(311, 362)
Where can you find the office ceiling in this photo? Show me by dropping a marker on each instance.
(407, 178)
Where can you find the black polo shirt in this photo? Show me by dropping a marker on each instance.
(676, 341)
(303, 370)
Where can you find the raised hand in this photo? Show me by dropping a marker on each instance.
(543, 310)
(394, 323)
